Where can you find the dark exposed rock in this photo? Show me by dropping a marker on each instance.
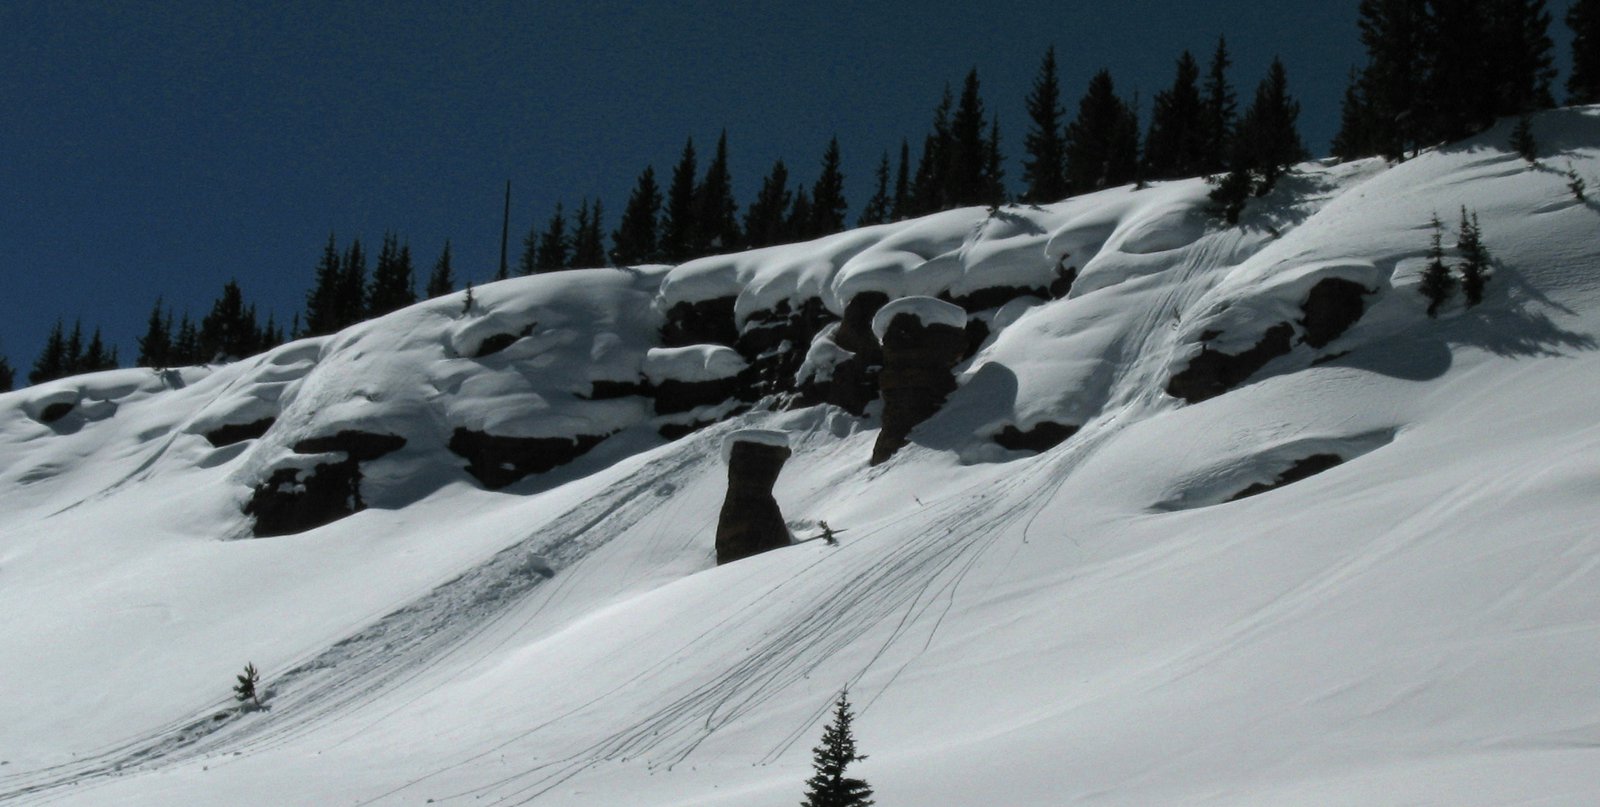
(55, 412)
(609, 390)
(1332, 306)
(674, 396)
(774, 343)
(994, 297)
(855, 380)
(1062, 285)
(977, 333)
(707, 322)
(499, 461)
(1212, 372)
(238, 432)
(916, 377)
(500, 341)
(1301, 469)
(750, 522)
(1042, 437)
(294, 500)
(358, 445)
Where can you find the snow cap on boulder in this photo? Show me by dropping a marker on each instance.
(766, 437)
(930, 310)
(692, 364)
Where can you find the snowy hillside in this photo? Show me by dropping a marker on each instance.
(1136, 509)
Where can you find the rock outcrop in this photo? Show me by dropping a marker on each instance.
(298, 498)
(1333, 305)
(498, 461)
(1303, 468)
(228, 434)
(1041, 438)
(923, 339)
(1213, 372)
(750, 522)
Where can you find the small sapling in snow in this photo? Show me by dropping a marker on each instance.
(245, 690)
(1576, 184)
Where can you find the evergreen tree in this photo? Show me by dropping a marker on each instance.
(1474, 267)
(553, 244)
(73, 362)
(52, 361)
(877, 209)
(901, 206)
(994, 172)
(322, 303)
(1460, 82)
(1436, 281)
(634, 240)
(8, 376)
(1176, 144)
(1220, 108)
(829, 786)
(352, 299)
(1097, 141)
(186, 343)
(393, 279)
(529, 262)
(678, 230)
(1583, 86)
(827, 195)
(1521, 50)
(716, 214)
(1356, 136)
(1044, 163)
(155, 347)
(588, 245)
(800, 224)
(965, 180)
(1268, 141)
(229, 331)
(443, 280)
(1522, 141)
(97, 356)
(928, 184)
(1393, 32)
(764, 223)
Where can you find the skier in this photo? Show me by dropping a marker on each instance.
(828, 533)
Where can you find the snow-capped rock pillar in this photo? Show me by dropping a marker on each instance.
(922, 338)
(751, 522)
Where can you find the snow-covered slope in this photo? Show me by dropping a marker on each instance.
(1053, 595)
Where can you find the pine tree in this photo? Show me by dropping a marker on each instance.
(634, 240)
(877, 209)
(322, 303)
(764, 223)
(155, 347)
(352, 300)
(1583, 86)
(394, 278)
(1474, 268)
(828, 205)
(1097, 143)
(588, 245)
(186, 343)
(965, 180)
(1393, 32)
(8, 376)
(553, 244)
(1044, 163)
(96, 356)
(229, 331)
(678, 230)
(1268, 140)
(829, 786)
(52, 361)
(1220, 108)
(245, 690)
(1519, 51)
(800, 223)
(994, 172)
(442, 281)
(529, 262)
(716, 214)
(901, 206)
(1522, 141)
(1436, 281)
(1176, 144)
(1356, 137)
(929, 183)
(73, 362)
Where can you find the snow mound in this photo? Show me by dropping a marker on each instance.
(692, 364)
(928, 310)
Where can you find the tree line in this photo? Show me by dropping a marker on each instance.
(1418, 87)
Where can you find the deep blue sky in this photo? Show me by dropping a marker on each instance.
(161, 148)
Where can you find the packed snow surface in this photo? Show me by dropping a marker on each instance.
(1096, 623)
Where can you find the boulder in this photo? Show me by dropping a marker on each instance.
(1332, 306)
(228, 434)
(1303, 468)
(923, 339)
(498, 461)
(750, 522)
(1041, 438)
(1212, 372)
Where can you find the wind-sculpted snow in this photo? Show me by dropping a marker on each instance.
(1208, 515)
